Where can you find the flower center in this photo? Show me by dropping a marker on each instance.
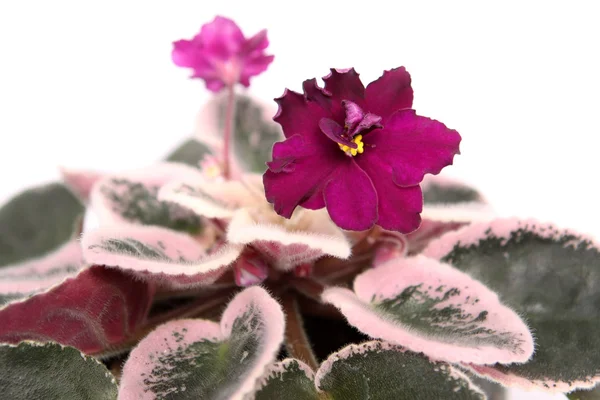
(360, 146)
(356, 124)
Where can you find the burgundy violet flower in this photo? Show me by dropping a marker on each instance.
(360, 152)
(221, 55)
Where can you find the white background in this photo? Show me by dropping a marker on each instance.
(90, 84)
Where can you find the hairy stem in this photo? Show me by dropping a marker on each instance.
(296, 340)
(228, 130)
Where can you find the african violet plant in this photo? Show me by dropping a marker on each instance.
(315, 257)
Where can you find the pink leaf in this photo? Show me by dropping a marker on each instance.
(81, 181)
(428, 231)
(93, 311)
(214, 198)
(430, 307)
(26, 278)
(206, 359)
(307, 237)
(171, 259)
(132, 198)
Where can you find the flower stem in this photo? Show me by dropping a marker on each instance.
(228, 131)
(296, 340)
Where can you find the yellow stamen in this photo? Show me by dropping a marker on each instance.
(349, 150)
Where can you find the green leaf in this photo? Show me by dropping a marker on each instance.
(190, 152)
(254, 135)
(52, 372)
(442, 190)
(593, 394)
(379, 371)
(551, 278)
(132, 197)
(254, 131)
(285, 377)
(38, 221)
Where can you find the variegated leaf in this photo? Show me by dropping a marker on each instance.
(254, 130)
(551, 277)
(372, 370)
(81, 182)
(308, 236)
(593, 394)
(200, 359)
(211, 198)
(94, 311)
(283, 378)
(38, 221)
(50, 371)
(380, 371)
(25, 279)
(132, 198)
(173, 260)
(191, 152)
(430, 307)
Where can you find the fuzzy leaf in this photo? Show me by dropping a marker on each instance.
(380, 371)
(429, 230)
(254, 130)
(285, 377)
(133, 198)
(200, 359)
(372, 370)
(549, 276)
(81, 181)
(27, 278)
(37, 221)
(50, 371)
(307, 237)
(211, 199)
(93, 311)
(191, 152)
(593, 394)
(172, 259)
(430, 307)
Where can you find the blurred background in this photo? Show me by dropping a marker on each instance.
(90, 84)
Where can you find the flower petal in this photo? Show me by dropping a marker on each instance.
(351, 198)
(390, 93)
(254, 66)
(221, 37)
(398, 207)
(344, 85)
(294, 177)
(256, 43)
(299, 115)
(413, 146)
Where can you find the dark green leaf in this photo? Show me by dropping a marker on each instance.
(190, 152)
(549, 276)
(38, 221)
(49, 371)
(593, 394)
(379, 371)
(287, 377)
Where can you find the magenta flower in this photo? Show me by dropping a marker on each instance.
(360, 152)
(221, 55)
